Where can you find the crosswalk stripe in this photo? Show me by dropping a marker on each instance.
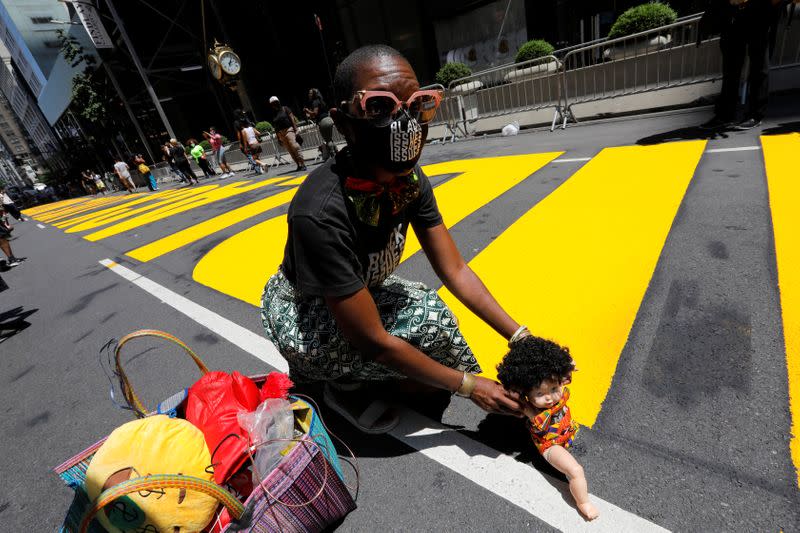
(174, 208)
(480, 181)
(194, 233)
(576, 266)
(242, 264)
(31, 211)
(780, 159)
(145, 204)
(59, 214)
(100, 217)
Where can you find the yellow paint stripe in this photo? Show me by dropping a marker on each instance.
(576, 266)
(483, 180)
(241, 265)
(194, 233)
(293, 182)
(51, 206)
(99, 218)
(71, 210)
(783, 181)
(180, 206)
(250, 256)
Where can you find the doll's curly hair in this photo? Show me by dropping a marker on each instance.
(532, 360)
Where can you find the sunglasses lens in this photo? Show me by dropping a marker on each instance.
(378, 108)
(423, 108)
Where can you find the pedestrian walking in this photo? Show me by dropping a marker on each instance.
(285, 124)
(5, 234)
(99, 184)
(123, 172)
(747, 30)
(199, 155)
(251, 145)
(178, 154)
(218, 150)
(318, 112)
(88, 182)
(165, 149)
(145, 172)
(9, 206)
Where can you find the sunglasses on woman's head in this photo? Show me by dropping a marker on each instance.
(380, 107)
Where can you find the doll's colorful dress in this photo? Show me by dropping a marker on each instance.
(554, 426)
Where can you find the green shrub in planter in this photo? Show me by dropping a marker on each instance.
(264, 127)
(533, 50)
(206, 145)
(452, 71)
(641, 18)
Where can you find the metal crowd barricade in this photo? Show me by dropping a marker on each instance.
(508, 89)
(665, 57)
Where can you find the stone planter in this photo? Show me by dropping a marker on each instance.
(532, 72)
(466, 88)
(637, 48)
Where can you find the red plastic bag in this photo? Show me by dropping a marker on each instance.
(213, 405)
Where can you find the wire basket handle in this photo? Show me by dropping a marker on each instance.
(163, 481)
(125, 384)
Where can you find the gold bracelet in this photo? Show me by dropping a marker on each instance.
(468, 383)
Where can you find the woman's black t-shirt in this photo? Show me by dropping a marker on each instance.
(329, 251)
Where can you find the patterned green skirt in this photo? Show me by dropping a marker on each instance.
(306, 334)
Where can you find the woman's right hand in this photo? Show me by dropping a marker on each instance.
(490, 396)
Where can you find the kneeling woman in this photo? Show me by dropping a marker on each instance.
(335, 310)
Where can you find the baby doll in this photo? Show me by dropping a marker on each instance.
(539, 369)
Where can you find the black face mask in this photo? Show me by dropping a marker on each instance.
(396, 147)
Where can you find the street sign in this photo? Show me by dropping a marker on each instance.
(94, 26)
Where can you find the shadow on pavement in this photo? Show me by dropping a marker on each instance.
(780, 129)
(13, 321)
(690, 133)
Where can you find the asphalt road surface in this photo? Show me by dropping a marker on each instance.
(655, 252)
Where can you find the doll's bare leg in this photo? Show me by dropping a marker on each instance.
(564, 462)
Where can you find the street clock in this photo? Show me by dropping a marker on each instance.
(214, 67)
(224, 64)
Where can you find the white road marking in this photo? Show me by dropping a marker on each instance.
(245, 339)
(573, 160)
(540, 495)
(40, 226)
(711, 151)
(544, 497)
(738, 149)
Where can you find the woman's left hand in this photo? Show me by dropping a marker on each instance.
(490, 396)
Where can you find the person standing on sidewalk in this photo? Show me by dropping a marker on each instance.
(285, 124)
(318, 112)
(123, 172)
(747, 29)
(9, 206)
(178, 154)
(218, 150)
(199, 155)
